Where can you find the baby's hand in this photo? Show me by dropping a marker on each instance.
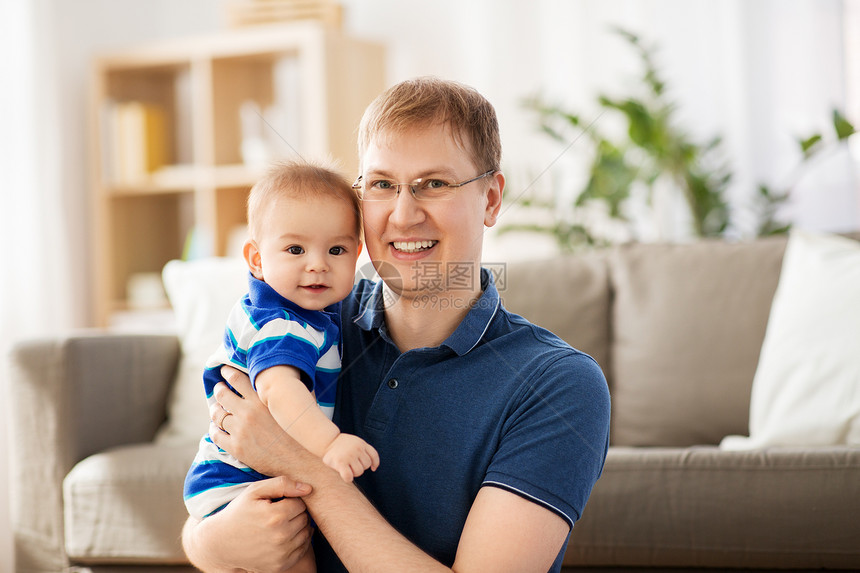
(350, 456)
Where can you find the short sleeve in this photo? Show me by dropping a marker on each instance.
(282, 342)
(555, 440)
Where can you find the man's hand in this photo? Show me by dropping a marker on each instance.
(350, 456)
(249, 431)
(266, 528)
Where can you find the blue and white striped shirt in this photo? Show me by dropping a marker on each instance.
(263, 330)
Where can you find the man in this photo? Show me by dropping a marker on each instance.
(491, 431)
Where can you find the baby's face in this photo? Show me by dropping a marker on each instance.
(308, 249)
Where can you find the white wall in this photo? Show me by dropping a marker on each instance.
(761, 72)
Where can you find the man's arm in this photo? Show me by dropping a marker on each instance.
(506, 532)
(503, 532)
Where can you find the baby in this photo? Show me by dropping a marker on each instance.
(304, 238)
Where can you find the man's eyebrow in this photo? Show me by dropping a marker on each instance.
(437, 171)
(378, 173)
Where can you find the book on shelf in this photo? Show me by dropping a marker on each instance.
(136, 141)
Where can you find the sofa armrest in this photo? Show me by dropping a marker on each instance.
(71, 397)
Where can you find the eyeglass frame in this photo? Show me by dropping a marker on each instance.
(358, 187)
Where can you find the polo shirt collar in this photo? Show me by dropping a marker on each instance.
(476, 323)
(262, 295)
(467, 335)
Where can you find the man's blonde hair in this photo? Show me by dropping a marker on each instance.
(299, 179)
(427, 101)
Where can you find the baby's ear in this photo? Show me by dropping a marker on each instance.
(252, 257)
(360, 246)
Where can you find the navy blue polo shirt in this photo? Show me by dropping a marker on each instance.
(500, 403)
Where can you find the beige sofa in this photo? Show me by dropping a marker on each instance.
(678, 330)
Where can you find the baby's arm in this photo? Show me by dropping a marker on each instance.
(285, 395)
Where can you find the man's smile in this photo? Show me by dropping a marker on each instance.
(413, 246)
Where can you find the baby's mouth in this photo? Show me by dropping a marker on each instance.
(413, 246)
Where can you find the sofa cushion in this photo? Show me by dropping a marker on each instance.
(688, 322)
(125, 505)
(201, 292)
(806, 390)
(661, 507)
(568, 296)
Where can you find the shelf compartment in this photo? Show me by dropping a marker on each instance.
(145, 120)
(257, 114)
(231, 220)
(146, 232)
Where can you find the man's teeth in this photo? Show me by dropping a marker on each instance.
(413, 246)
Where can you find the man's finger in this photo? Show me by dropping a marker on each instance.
(237, 379)
(278, 487)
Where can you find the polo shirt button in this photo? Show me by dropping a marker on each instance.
(393, 383)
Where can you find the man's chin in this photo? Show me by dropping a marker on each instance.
(390, 274)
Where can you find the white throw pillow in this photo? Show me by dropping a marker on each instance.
(202, 292)
(806, 390)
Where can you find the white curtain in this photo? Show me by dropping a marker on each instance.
(37, 291)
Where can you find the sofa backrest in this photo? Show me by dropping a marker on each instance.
(676, 328)
(568, 295)
(688, 323)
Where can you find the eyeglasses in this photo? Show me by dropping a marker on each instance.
(429, 189)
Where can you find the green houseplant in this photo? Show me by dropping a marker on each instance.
(653, 151)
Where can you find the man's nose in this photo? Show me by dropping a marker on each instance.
(406, 210)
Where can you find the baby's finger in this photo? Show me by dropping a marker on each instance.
(374, 458)
(356, 467)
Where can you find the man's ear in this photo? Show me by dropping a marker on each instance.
(494, 198)
(252, 257)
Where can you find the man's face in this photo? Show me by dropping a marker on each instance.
(432, 245)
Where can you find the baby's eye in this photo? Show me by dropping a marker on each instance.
(337, 250)
(295, 250)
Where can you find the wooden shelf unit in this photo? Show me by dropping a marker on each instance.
(194, 177)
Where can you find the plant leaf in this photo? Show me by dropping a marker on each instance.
(844, 128)
(808, 145)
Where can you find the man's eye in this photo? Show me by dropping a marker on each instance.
(295, 250)
(337, 250)
(435, 184)
(382, 184)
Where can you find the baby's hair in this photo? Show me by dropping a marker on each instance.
(298, 179)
